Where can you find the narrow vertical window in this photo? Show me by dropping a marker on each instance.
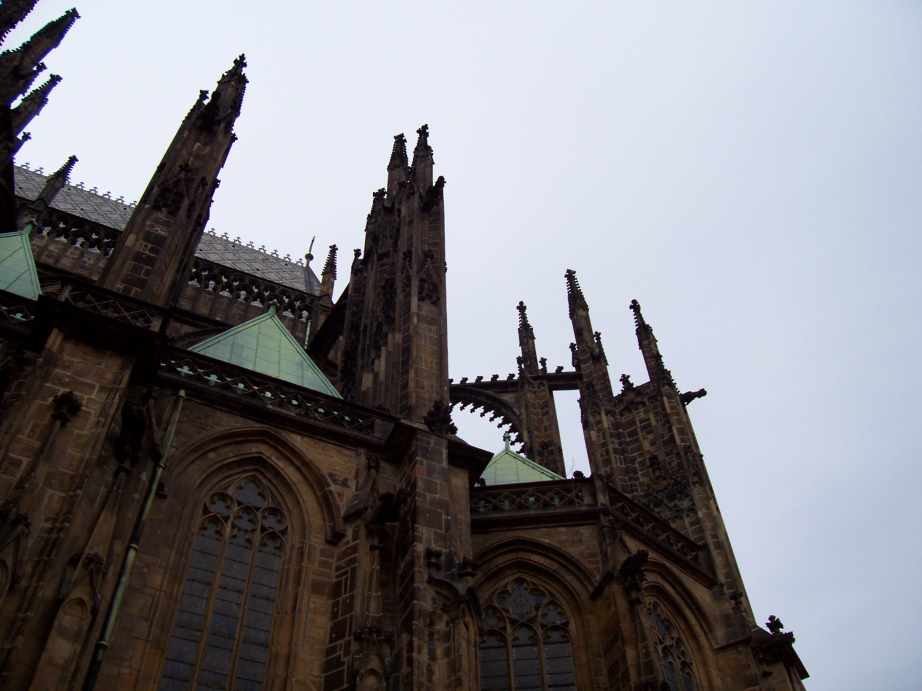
(526, 642)
(677, 667)
(222, 632)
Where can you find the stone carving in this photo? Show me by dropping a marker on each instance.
(438, 419)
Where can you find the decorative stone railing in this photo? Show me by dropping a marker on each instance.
(204, 372)
(73, 244)
(232, 296)
(111, 305)
(532, 496)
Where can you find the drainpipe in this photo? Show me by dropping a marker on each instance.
(102, 645)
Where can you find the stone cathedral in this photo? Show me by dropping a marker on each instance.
(213, 475)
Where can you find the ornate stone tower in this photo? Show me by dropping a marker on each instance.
(215, 472)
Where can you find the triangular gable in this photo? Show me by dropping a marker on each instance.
(17, 265)
(509, 468)
(264, 345)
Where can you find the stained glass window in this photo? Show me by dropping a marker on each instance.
(221, 636)
(526, 642)
(677, 667)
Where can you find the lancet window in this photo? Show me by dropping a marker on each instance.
(526, 641)
(223, 628)
(677, 667)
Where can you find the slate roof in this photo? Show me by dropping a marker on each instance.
(115, 213)
(509, 468)
(264, 345)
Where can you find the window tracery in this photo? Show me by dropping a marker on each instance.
(525, 626)
(221, 636)
(676, 663)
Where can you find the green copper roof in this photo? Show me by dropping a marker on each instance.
(264, 345)
(17, 265)
(508, 468)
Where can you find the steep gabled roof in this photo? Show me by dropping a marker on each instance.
(17, 265)
(264, 345)
(509, 468)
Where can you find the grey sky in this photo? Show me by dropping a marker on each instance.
(750, 172)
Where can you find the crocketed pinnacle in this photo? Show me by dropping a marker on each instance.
(574, 292)
(43, 41)
(398, 153)
(225, 103)
(63, 173)
(19, 67)
(330, 266)
(11, 13)
(638, 317)
(422, 149)
(524, 326)
(32, 104)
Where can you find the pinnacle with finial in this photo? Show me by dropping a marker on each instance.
(523, 318)
(63, 173)
(11, 13)
(330, 266)
(574, 292)
(398, 153)
(638, 316)
(32, 104)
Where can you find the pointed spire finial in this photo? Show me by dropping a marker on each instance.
(20, 66)
(11, 13)
(638, 316)
(398, 153)
(524, 326)
(32, 104)
(227, 99)
(63, 173)
(330, 266)
(574, 293)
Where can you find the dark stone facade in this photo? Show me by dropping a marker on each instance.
(166, 517)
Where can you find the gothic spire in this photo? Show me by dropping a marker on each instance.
(398, 166)
(575, 296)
(529, 357)
(37, 207)
(11, 13)
(649, 348)
(328, 275)
(330, 266)
(422, 159)
(173, 211)
(19, 67)
(32, 104)
(227, 99)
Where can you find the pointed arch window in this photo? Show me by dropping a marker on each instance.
(677, 666)
(221, 636)
(526, 641)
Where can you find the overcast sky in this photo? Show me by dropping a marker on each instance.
(750, 172)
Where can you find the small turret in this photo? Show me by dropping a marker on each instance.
(32, 104)
(19, 67)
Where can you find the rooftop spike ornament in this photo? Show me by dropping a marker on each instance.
(11, 13)
(32, 104)
(19, 67)
(330, 266)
